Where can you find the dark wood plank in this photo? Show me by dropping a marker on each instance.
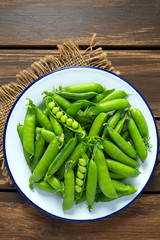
(20, 220)
(140, 68)
(123, 22)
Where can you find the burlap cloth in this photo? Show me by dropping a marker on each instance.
(69, 55)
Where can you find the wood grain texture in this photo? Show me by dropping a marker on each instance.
(118, 22)
(140, 68)
(21, 221)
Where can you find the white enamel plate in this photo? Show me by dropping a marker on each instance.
(19, 172)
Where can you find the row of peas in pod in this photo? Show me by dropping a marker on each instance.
(83, 143)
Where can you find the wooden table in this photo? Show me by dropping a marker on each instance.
(129, 31)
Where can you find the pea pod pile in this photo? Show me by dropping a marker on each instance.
(83, 142)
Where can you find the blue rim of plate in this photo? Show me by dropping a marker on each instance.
(10, 173)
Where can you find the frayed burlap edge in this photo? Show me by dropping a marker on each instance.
(69, 55)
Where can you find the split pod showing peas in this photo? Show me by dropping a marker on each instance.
(58, 113)
(81, 174)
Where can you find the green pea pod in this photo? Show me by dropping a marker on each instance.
(61, 157)
(48, 156)
(78, 96)
(73, 109)
(125, 134)
(39, 150)
(114, 95)
(76, 128)
(38, 130)
(137, 139)
(102, 95)
(97, 125)
(91, 184)
(29, 129)
(28, 156)
(113, 120)
(140, 122)
(102, 198)
(47, 135)
(82, 199)
(85, 103)
(56, 184)
(114, 152)
(122, 169)
(57, 128)
(121, 122)
(119, 186)
(69, 187)
(121, 143)
(114, 175)
(43, 185)
(85, 87)
(74, 157)
(104, 180)
(115, 104)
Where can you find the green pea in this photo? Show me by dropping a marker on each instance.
(51, 105)
(69, 122)
(59, 115)
(75, 124)
(64, 118)
(82, 169)
(79, 182)
(55, 110)
(80, 175)
(82, 162)
(78, 188)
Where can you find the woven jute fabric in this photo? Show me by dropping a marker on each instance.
(69, 55)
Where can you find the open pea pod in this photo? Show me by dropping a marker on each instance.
(81, 175)
(64, 118)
